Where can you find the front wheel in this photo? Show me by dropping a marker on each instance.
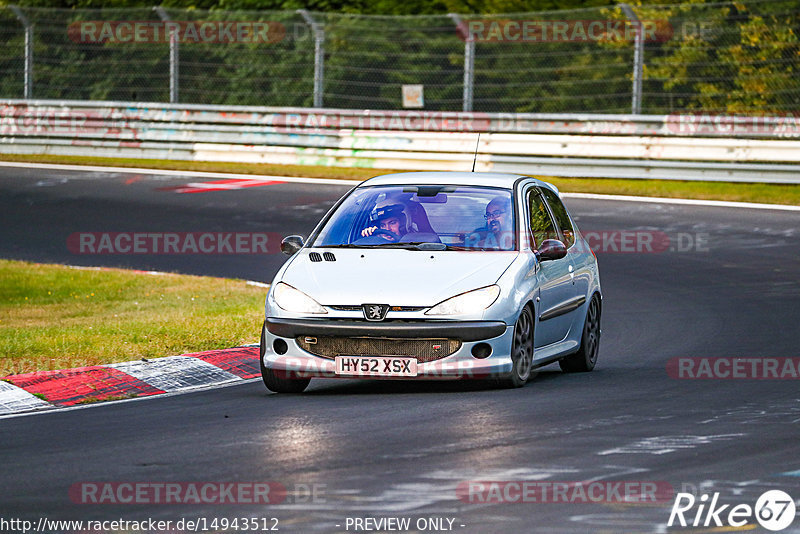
(274, 382)
(585, 359)
(521, 351)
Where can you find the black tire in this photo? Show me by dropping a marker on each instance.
(521, 351)
(271, 379)
(586, 358)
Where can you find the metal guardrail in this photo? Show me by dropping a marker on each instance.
(682, 147)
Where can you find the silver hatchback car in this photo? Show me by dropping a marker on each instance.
(434, 275)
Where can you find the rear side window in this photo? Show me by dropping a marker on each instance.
(541, 223)
(562, 217)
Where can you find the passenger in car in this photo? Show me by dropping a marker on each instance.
(498, 234)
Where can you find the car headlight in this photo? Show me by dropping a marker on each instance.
(470, 302)
(294, 300)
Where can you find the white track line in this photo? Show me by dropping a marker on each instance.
(329, 181)
(684, 201)
(165, 172)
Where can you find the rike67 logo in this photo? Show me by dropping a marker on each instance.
(774, 510)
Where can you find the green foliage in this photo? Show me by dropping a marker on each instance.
(741, 57)
(736, 57)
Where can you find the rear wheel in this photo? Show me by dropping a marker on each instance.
(521, 351)
(585, 359)
(271, 378)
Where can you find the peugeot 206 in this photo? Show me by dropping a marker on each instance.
(434, 275)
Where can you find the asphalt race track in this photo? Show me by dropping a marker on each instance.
(727, 286)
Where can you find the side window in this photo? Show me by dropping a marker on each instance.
(541, 223)
(562, 218)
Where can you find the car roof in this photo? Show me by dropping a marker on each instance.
(493, 179)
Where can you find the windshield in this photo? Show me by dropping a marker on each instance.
(431, 217)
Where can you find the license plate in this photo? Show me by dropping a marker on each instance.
(375, 366)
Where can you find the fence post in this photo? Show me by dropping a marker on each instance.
(319, 55)
(174, 59)
(638, 59)
(28, 79)
(469, 60)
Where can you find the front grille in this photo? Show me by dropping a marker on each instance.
(424, 350)
(391, 308)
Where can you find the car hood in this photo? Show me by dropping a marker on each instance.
(396, 277)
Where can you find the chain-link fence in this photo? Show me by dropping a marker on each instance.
(733, 57)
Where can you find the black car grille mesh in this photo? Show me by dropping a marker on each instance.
(424, 350)
(391, 308)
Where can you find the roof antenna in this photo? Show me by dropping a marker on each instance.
(476, 152)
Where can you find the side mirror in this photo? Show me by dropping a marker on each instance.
(552, 249)
(291, 244)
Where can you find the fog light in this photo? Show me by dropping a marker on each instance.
(280, 346)
(482, 350)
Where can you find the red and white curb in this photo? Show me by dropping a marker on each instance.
(85, 385)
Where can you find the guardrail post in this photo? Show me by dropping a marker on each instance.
(469, 60)
(174, 59)
(28, 83)
(319, 55)
(638, 59)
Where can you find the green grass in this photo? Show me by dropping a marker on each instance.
(311, 171)
(56, 317)
(737, 192)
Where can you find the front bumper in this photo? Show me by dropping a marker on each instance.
(465, 331)
(299, 363)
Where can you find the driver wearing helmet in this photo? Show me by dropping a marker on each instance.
(388, 220)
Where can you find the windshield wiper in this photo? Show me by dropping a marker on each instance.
(412, 245)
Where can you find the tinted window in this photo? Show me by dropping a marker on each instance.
(561, 215)
(541, 223)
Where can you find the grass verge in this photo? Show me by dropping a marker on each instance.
(730, 191)
(57, 317)
(311, 171)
